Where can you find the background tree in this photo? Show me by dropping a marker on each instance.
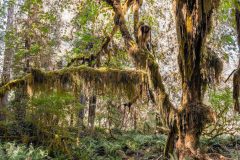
(8, 53)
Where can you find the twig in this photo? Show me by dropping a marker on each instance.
(230, 75)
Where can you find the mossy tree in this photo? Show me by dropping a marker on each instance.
(193, 19)
(143, 59)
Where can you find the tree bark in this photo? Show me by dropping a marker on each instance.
(8, 56)
(193, 19)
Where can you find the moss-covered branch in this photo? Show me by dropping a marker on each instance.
(127, 82)
(144, 59)
(13, 84)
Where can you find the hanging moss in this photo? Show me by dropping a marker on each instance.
(102, 80)
(212, 67)
(198, 115)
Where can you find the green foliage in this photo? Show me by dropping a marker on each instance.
(228, 39)
(227, 22)
(221, 99)
(227, 121)
(87, 12)
(13, 151)
(28, 4)
(47, 123)
(37, 34)
(225, 8)
(53, 103)
(118, 59)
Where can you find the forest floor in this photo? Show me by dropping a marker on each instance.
(117, 146)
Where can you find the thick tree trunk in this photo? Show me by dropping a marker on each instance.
(92, 112)
(8, 56)
(193, 20)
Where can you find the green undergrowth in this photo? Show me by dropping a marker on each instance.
(13, 151)
(100, 146)
(115, 146)
(229, 146)
(127, 145)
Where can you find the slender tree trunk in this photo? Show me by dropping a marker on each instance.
(237, 16)
(135, 118)
(81, 112)
(92, 112)
(193, 20)
(8, 56)
(236, 76)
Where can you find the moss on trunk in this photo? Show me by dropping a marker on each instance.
(193, 20)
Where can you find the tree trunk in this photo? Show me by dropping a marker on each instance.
(81, 112)
(236, 76)
(135, 118)
(169, 148)
(193, 20)
(20, 103)
(8, 56)
(92, 112)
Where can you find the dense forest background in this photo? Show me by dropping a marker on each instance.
(119, 79)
